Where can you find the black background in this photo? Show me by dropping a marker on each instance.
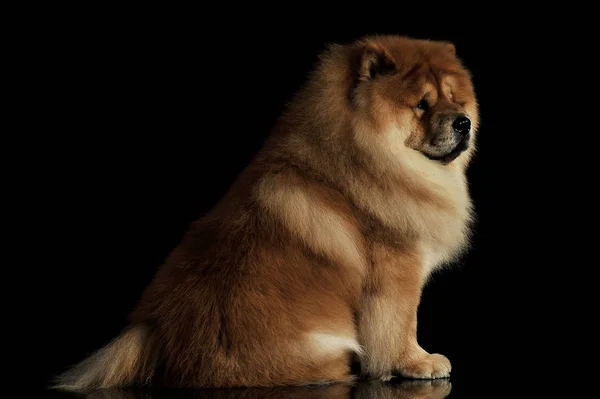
(142, 119)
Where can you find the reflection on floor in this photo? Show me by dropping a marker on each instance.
(396, 389)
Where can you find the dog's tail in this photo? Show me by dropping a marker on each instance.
(129, 359)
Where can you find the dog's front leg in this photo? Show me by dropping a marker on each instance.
(387, 320)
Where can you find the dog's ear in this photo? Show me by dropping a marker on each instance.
(374, 61)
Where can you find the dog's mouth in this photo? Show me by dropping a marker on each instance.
(453, 154)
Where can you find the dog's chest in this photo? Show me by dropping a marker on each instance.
(439, 230)
(435, 224)
(444, 234)
(434, 255)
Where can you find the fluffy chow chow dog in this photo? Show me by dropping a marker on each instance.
(319, 251)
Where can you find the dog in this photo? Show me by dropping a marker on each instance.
(319, 251)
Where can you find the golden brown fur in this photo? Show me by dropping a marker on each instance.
(322, 246)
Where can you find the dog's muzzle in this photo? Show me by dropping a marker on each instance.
(462, 132)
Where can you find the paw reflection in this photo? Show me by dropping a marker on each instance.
(405, 389)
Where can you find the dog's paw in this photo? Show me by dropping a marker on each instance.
(431, 366)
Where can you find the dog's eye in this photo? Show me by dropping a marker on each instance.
(422, 105)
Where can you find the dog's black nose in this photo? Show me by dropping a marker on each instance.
(462, 125)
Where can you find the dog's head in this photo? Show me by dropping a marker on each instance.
(418, 94)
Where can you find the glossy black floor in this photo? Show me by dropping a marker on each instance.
(396, 388)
